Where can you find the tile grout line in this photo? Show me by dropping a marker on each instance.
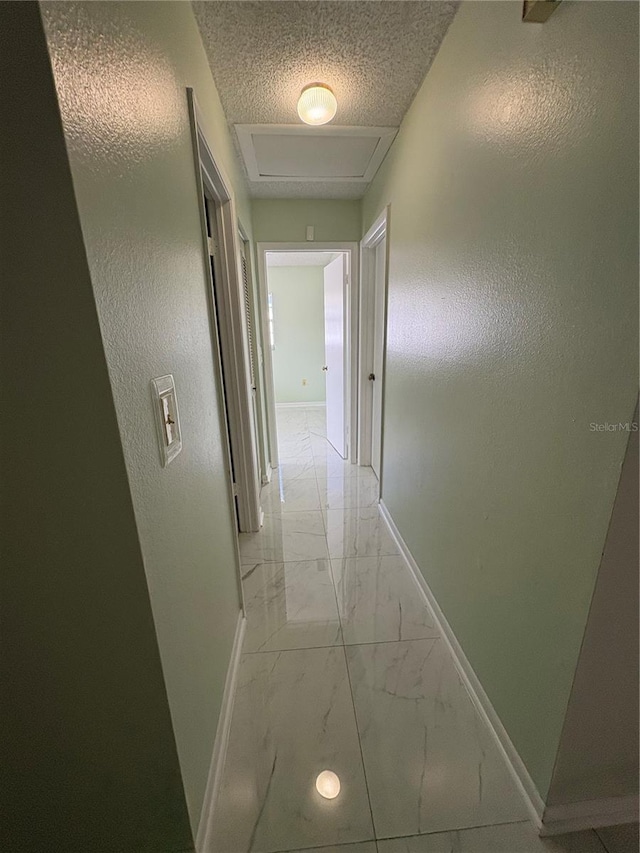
(342, 643)
(353, 705)
(315, 559)
(340, 844)
(458, 829)
(602, 842)
(347, 646)
(364, 769)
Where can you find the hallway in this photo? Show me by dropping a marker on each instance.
(343, 670)
(471, 170)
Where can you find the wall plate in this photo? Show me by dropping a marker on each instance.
(165, 405)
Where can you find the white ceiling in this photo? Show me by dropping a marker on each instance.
(300, 259)
(373, 53)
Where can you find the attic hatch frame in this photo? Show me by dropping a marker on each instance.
(246, 133)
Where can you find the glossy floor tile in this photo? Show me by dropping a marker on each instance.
(343, 670)
(296, 470)
(286, 537)
(292, 719)
(363, 847)
(430, 761)
(330, 464)
(290, 606)
(377, 601)
(292, 495)
(347, 492)
(296, 453)
(620, 839)
(507, 838)
(358, 532)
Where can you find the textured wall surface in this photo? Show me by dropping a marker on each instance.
(598, 753)
(89, 758)
(374, 57)
(512, 326)
(298, 320)
(286, 220)
(121, 70)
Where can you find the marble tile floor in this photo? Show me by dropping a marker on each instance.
(343, 670)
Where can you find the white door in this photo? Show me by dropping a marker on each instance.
(334, 343)
(380, 255)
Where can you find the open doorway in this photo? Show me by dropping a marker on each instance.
(311, 346)
(307, 315)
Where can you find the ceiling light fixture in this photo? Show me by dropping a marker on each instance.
(317, 104)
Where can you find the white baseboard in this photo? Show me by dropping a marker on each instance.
(222, 739)
(591, 814)
(550, 820)
(516, 766)
(299, 405)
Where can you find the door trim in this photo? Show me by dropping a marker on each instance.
(233, 339)
(351, 341)
(258, 350)
(378, 231)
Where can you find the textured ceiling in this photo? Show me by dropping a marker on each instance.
(373, 53)
(300, 259)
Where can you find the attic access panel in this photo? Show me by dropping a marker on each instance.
(294, 152)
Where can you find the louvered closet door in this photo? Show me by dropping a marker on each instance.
(247, 308)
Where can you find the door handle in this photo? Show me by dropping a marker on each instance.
(372, 376)
(325, 367)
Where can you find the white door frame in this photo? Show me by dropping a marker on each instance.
(258, 356)
(377, 232)
(335, 299)
(351, 343)
(231, 323)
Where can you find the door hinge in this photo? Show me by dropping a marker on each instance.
(212, 248)
(234, 489)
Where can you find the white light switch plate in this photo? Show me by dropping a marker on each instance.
(165, 405)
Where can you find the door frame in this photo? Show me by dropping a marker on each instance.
(351, 342)
(378, 231)
(229, 332)
(258, 355)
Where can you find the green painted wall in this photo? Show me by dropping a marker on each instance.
(89, 759)
(298, 321)
(512, 327)
(285, 220)
(121, 70)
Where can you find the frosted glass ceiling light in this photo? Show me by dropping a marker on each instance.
(328, 784)
(317, 104)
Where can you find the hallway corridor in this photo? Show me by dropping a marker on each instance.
(343, 670)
